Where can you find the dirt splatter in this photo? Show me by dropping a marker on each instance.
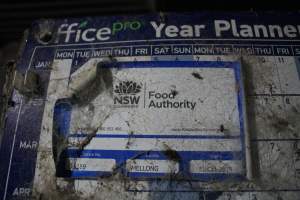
(280, 124)
(171, 154)
(102, 81)
(222, 128)
(174, 93)
(197, 75)
(29, 85)
(129, 141)
(87, 140)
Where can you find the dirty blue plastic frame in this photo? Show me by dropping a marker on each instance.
(62, 118)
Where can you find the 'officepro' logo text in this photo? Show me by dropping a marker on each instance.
(77, 32)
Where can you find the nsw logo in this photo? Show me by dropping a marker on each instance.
(127, 93)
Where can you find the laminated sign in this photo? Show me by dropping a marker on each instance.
(150, 119)
(150, 100)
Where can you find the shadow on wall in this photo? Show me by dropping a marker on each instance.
(8, 52)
